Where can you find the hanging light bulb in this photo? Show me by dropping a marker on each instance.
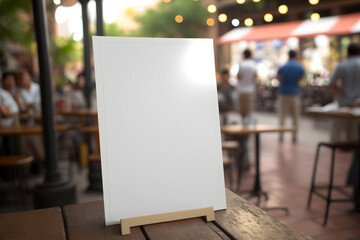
(283, 9)
(222, 17)
(179, 19)
(211, 8)
(210, 22)
(248, 22)
(268, 17)
(315, 17)
(235, 22)
(313, 2)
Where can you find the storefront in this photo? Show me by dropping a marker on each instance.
(321, 45)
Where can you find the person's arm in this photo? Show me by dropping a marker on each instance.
(279, 76)
(335, 80)
(4, 111)
(22, 107)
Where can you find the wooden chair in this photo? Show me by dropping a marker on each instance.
(18, 164)
(95, 179)
(231, 149)
(346, 146)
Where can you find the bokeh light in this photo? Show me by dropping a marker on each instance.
(179, 19)
(315, 17)
(248, 22)
(283, 9)
(268, 17)
(313, 2)
(210, 22)
(256, 0)
(57, 2)
(235, 22)
(211, 8)
(222, 17)
(166, 1)
(240, 1)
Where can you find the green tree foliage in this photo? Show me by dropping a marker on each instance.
(112, 29)
(160, 22)
(13, 26)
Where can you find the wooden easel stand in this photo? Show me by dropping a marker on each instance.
(126, 223)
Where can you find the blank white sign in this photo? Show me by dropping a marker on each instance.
(159, 126)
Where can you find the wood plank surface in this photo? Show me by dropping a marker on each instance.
(239, 129)
(87, 221)
(30, 130)
(242, 220)
(336, 114)
(35, 224)
(195, 228)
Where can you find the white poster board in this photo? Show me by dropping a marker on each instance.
(159, 126)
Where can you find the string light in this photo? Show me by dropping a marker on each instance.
(235, 22)
(179, 19)
(222, 17)
(240, 1)
(268, 17)
(313, 2)
(256, 0)
(211, 8)
(315, 17)
(248, 22)
(283, 9)
(210, 22)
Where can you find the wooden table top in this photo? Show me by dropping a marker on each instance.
(30, 130)
(260, 128)
(334, 114)
(35, 224)
(79, 112)
(241, 220)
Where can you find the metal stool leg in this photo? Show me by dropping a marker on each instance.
(314, 175)
(330, 186)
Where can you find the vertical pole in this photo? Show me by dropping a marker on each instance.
(86, 41)
(99, 18)
(52, 172)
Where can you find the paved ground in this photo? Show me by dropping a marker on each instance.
(285, 174)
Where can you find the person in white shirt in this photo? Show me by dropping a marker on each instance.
(246, 89)
(29, 92)
(246, 86)
(8, 112)
(30, 102)
(9, 107)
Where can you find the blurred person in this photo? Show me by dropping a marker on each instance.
(8, 112)
(77, 96)
(9, 109)
(246, 90)
(30, 102)
(289, 77)
(29, 91)
(345, 81)
(246, 86)
(225, 96)
(8, 82)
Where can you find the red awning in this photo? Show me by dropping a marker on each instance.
(336, 25)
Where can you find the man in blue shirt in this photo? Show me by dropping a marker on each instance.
(289, 76)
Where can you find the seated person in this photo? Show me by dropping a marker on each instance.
(9, 109)
(77, 96)
(29, 93)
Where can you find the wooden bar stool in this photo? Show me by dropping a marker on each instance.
(346, 146)
(18, 164)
